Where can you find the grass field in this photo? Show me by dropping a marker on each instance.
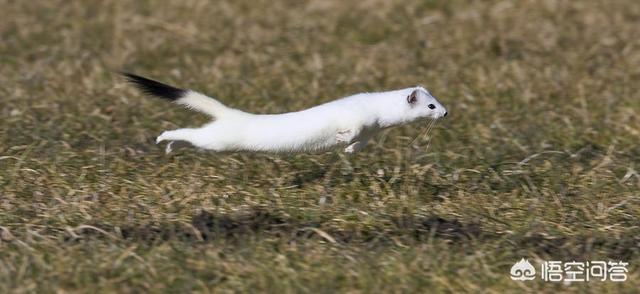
(539, 156)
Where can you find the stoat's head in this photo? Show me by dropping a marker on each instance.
(420, 104)
(408, 105)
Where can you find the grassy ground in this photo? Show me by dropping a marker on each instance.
(538, 158)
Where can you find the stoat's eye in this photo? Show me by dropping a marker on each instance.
(431, 106)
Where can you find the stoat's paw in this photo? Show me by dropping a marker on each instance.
(168, 149)
(355, 147)
(344, 136)
(350, 149)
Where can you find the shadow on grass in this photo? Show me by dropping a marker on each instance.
(259, 223)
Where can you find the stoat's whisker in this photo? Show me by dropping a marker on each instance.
(425, 135)
(422, 133)
(429, 131)
(418, 136)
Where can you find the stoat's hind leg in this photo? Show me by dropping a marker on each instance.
(180, 136)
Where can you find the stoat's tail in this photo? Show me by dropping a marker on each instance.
(188, 98)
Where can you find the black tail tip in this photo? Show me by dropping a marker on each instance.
(154, 88)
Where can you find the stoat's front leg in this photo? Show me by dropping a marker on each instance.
(356, 146)
(345, 136)
(360, 142)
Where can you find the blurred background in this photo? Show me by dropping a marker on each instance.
(538, 157)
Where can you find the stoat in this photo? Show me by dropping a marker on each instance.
(349, 122)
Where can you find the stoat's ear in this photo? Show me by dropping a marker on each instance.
(413, 97)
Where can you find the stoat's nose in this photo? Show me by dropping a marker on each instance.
(445, 114)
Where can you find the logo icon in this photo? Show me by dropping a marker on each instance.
(523, 271)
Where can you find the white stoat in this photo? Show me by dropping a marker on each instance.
(350, 121)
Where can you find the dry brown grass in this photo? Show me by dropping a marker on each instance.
(538, 157)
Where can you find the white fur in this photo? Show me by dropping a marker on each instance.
(204, 104)
(350, 122)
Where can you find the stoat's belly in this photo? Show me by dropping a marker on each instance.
(295, 142)
(287, 133)
(291, 139)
